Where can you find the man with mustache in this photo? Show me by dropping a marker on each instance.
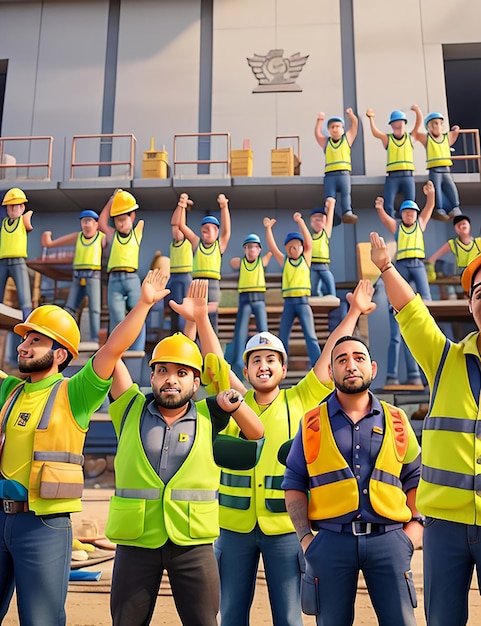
(351, 477)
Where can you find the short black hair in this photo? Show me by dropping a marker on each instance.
(350, 338)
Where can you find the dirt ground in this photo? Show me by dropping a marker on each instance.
(88, 602)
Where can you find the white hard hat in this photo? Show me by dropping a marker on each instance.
(265, 341)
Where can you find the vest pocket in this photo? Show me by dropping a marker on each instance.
(203, 519)
(61, 480)
(126, 518)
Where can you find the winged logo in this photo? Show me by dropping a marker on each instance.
(276, 72)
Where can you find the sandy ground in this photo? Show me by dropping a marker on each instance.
(88, 602)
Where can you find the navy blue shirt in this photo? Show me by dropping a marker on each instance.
(359, 443)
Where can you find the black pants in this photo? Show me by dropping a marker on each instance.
(137, 574)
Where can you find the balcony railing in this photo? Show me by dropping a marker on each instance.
(105, 148)
(23, 147)
(204, 143)
(471, 148)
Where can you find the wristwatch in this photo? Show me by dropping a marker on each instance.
(418, 518)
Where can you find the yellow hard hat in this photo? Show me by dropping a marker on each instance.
(123, 202)
(52, 321)
(177, 349)
(14, 196)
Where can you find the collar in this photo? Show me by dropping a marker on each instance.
(42, 384)
(334, 406)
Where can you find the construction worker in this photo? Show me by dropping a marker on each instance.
(87, 266)
(253, 516)
(44, 420)
(351, 476)
(13, 247)
(123, 288)
(164, 514)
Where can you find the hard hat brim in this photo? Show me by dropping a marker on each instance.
(468, 275)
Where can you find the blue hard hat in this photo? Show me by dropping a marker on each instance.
(89, 213)
(210, 219)
(335, 119)
(252, 238)
(318, 209)
(397, 115)
(291, 236)
(409, 204)
(432, 116)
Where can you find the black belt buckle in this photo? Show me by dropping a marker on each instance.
(361, 528)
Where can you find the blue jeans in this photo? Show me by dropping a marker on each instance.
(299, 307)
(35, 555)
(123, 293)
(336, 559)
(92, 290)
(179, 286)
(447, 197)
(250, 303)
(450, 552)
(17, 269)
(413, 271)
(337, 185)
(322, 280)
(238, 558)
(398, 182)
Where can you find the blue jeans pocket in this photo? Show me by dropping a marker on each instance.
(411, 588)
(310, 594)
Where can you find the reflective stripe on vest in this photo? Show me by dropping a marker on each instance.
(438, 153)
(400, 153)
(338, 155)
(410, 243)
(141, 494)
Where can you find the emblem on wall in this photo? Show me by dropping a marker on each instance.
(276, 72)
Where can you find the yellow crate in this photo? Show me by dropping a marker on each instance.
(155, 164)
(282, 162)
(241, 163)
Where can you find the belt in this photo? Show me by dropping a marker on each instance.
(14, 506)
(358, 528)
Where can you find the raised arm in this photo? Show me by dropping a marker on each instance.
(187, 232)
(27, 220)
(351, 134)
(398, 291)
(184, 204)
(66, 240)
(125, 333)
(104, 225)
(388, 221)
(271, 242)
(266, 258)
(320, 137)
(453, 134)
(360, 301)
(416, 132)
(329, 205)
(122, 380)
(425, 215)
(375, 130)
(225, 222)
(306, 233)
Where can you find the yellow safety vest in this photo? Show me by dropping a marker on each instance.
(207, 261)
(464, 253)
(332, 485)
(124, 254)
(254, 496)
(320, 248)
(296, 278)
(180, 256)
(251, 276)
(88, 252)
(56, 477)
(400, 153)
(13, 239)
(410, 242)
(450, 484)
(338, 155)
(144, 511)
(438, 153)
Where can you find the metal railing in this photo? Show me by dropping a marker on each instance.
(45, 164)
(476, 155)
(197, 161)
(105, 141)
